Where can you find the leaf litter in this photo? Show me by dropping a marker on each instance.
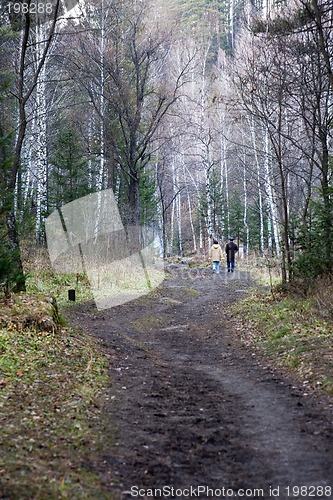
(53, 384)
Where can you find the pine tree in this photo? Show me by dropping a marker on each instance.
(69, 175)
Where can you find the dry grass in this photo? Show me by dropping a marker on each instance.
(53, 383)
(322, 297)
(294, 332)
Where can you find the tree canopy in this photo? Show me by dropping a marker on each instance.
(206, 119)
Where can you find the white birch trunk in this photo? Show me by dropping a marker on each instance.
(179, 216)
(246, 225)
(222, 185)
(101, 103)
(101, 173)
(27, 184)
(159, 210)
(201, 232)
(90, 162)
(173, 206)
(41, 139)
(191, 222)
(189, 208)
(201, 236)
(170, 240)
(260, 198)
(209, 222)
(28, 148)
(231, 22)
(270, 196)
(117, 186)
(16, 197)
(266, 10)
(226, 182)
(204, 146)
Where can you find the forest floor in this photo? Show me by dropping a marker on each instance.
(192, 410)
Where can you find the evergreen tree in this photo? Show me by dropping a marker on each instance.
(69, 177)
(236, 217)
(148, 198)
(315, 242)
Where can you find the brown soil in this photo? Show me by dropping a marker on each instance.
(192, 407)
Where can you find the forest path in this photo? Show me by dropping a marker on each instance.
(193, 408)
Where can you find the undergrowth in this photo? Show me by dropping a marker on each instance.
(51, 393)
(53, 384)
(47, 282)
(293, 333)
(42, 280)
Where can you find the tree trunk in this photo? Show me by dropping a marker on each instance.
(260, 200)
(179, 216)
(134, 199)
(209, 222)
(41, 141)
(25, 88)
(270, 196)
(246, 225)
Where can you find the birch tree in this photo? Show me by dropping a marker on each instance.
(139, 102)
(294, 108)
(41, 136)
(25, 84)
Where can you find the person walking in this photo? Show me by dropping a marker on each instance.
(230, 249)
(215, 255)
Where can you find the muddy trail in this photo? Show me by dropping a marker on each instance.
(195, 413)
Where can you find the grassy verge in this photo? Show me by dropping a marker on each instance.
(53, 383)
(292, 333)
(46, 282)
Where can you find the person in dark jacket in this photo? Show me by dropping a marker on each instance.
(230, 249)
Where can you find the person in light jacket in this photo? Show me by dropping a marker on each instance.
(215, 255)
(230, 249)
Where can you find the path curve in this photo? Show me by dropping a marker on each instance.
(194, 409)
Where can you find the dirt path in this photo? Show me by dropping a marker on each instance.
(192, 408)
